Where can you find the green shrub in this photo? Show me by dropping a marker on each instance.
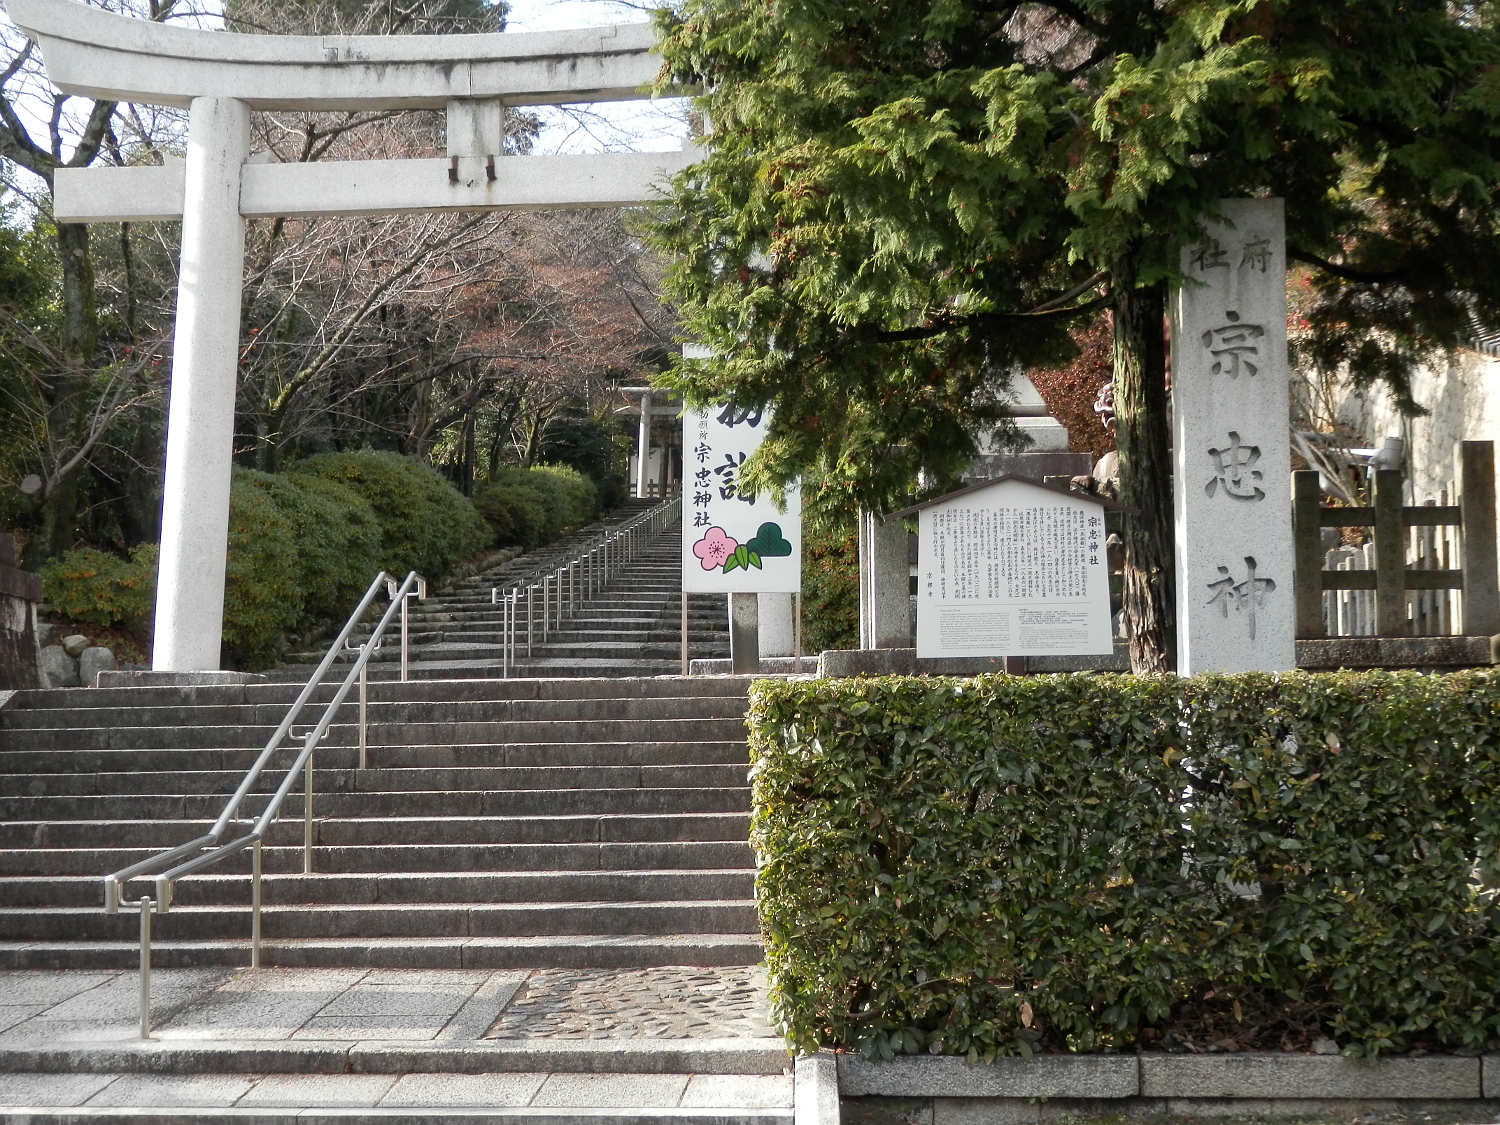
(529, 507)
(1007, 864)
(338, 545)
(102, 589)
(426, 524)
(830, 578)
(263, 592)
(519, 513)
(581, 497)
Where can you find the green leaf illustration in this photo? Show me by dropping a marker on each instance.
(754, 560)
(769, 543)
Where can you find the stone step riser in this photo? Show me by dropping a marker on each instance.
(411, 953)
(381, 712)
(444, 832)
(539, 802)
(385, 734)
(337, 759)
(572, 919)
(383, 780)
(188, 1116)
(448, 691)
(377, 859)
(399, 891)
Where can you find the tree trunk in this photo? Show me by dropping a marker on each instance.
(1141, 438)
(68, 406)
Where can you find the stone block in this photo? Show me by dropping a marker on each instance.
(75, 645)
(816, 1090)
(1492, 1076)
(612, 1091)
(154, 1091)
(55, 1091)
(495, 1091)
(1395, 652)
(58, 669)
(1255, 1075)
(318, 1091)
(738, 1091)
(948, 1076)
(93, 661)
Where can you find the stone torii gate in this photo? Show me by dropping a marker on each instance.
(219, 77)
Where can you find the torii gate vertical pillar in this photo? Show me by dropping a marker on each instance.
(200, 412)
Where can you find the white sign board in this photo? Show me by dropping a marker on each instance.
(734, 543)
(1012, 569)
(1236, 607)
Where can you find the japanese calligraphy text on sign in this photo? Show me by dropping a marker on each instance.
(1232, 462)
(734, 541)
(1012, 569)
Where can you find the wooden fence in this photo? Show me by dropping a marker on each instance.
(1429, 571)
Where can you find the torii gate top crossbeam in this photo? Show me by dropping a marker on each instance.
(97, 54)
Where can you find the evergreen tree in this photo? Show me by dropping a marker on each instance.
(904, 200)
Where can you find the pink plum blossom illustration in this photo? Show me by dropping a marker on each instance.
(714, 548)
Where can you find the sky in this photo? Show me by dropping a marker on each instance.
(636, 126)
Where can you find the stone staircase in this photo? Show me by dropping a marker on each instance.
(501, 824)
(630, 628)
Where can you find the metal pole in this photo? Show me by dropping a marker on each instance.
(145, 968)
(797, 632)
(684, 633)
(405, 635)
(364, 713)
(255, 906)
(643, 451)
(307, 831)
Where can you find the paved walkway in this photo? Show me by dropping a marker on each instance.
(525, 1039)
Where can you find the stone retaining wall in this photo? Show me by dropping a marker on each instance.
(1014, 1091)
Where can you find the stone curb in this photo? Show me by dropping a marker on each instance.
(186, 1116)
(951, 1076)
(1250, 1075)
(815, 1090)
(620, 1056)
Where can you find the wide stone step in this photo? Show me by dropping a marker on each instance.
(446, 831)
(402, 889)
(681, 855)
(339, 759)
(382, 711)
(539, 952)
(385, 734)
(263, 691)
(388, 779)
(392, 804)
(424, 920)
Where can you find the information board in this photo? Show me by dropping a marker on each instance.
(1012, 569)
(734, 541)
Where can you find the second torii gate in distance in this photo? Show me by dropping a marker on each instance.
(220, 77)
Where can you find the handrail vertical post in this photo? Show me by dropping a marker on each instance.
(797, 632)
(145, 968)
(307, 818)
(405, 636)
(364, 713)
(255, 871)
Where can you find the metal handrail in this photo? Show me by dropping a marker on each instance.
(567, 586)
(164, 880)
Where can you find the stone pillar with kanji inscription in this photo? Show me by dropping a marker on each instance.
(1236, 606)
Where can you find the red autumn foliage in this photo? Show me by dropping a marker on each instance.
(1070, 391)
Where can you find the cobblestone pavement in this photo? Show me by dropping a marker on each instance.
(39, 1008)
(662, 1003)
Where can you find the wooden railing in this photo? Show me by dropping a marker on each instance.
(1391, 578)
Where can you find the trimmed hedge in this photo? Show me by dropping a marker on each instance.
(426, 524)
(529, 507)
(1010, 864)
(102, 589)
